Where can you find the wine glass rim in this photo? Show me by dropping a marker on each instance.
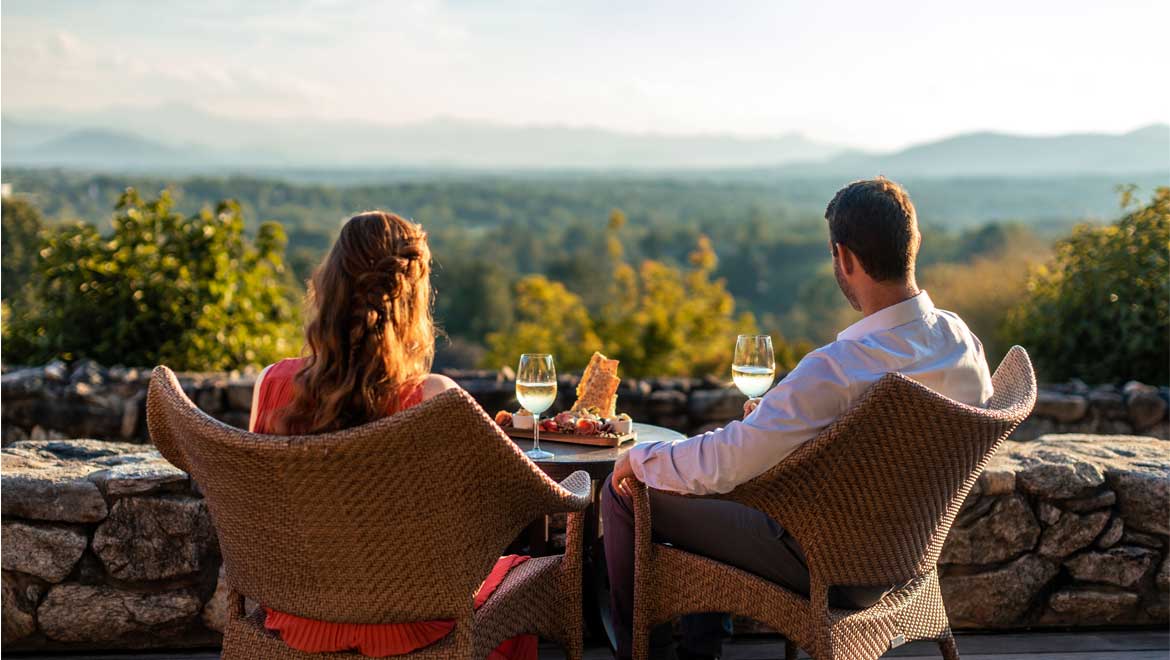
(535, 355)
(755, 337)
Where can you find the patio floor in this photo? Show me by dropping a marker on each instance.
(1105, 645)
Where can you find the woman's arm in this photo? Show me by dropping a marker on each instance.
(256, 398)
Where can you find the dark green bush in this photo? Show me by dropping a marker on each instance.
(1100, 310)
(188, 291)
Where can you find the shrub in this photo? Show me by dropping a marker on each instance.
(20, 240)
(191, 292)
(1100, 309)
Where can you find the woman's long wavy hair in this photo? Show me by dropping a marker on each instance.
(370, 337)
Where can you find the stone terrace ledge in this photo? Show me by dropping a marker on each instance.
(108, 546)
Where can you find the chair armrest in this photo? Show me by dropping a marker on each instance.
(575, 492)
(642, 524)
(579, 487)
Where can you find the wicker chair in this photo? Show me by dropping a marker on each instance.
(397, 520)
(870, 500)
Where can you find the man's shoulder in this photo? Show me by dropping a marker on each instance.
(959, 328)
(847, 349)
(950, 317)
(839, 360)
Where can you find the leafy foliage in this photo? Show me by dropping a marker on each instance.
(489, 233)
(1100, 310)
(543, 239)
(657, 319)
(550, 319)
(19, 242)
(187, 291)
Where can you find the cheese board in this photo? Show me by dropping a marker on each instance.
(592, 420)
(606, 440)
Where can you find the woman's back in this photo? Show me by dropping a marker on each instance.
(275, 390)
(370, 343)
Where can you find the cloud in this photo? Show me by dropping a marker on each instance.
(60, 68)
(760, 69)
(66, 44)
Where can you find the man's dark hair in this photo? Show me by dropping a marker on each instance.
(876, 220)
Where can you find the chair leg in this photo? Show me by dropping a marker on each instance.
(790, 650)
(950, 651)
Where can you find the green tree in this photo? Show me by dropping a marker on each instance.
(682, 322)
(188, 291)
(473, 296)
(657, 319)
(549, 319)
(19, 242)
(1100, 310)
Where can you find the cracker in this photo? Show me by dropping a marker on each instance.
(598, 386)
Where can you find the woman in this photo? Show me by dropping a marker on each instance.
(370, 342)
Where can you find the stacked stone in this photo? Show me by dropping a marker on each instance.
(106, 545)
(1065, 530)
(88, 401)
(1107, 410)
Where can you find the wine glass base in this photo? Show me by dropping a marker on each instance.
(539, 454)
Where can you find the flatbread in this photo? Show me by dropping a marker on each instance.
(598, 386)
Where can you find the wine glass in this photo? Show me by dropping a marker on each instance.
(536, 389)
(754, 365)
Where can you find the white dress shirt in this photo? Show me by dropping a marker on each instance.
(932, 346)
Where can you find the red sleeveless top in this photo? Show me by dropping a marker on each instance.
(374, 640)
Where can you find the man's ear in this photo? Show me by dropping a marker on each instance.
(848, 261)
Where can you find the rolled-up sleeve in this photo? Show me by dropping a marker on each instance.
(814, 394)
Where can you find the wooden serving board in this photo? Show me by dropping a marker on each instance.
(573, 438)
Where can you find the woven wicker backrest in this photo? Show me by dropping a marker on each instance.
(877, 491)
(397, 520)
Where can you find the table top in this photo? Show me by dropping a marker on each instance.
(597, 461)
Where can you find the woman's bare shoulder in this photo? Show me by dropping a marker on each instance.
(435, 384)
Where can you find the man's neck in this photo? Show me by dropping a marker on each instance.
(885, 295)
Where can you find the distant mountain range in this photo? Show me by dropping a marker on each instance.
(182, 138)
(998, 154)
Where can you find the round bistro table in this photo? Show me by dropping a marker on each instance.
(598, 462)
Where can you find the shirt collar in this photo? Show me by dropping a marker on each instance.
(918, 307)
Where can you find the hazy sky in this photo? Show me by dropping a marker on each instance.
(875, 74)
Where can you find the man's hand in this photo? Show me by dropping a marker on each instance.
(749, 406)
(622, 470)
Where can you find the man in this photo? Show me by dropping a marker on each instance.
(874, 240)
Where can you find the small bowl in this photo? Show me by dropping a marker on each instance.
(523, 422)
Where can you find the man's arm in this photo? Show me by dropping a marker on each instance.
(815, 394)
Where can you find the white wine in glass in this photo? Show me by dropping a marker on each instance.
(754, 366)
(536, 389)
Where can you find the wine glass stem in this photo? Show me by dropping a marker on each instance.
(536, 432)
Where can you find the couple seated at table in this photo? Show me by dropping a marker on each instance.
(370, 344)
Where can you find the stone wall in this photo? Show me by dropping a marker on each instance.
(105, 545)
(108, 546)
(1064, 530)
(89, 401)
